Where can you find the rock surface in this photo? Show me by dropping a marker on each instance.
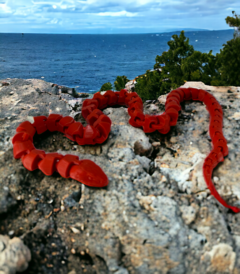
(155, 216)
(14, 255)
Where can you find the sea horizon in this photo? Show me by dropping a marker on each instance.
(123, 33)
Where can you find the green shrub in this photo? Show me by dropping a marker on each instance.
(171, 61)
(182, 63)
(151, 85)
(106, 86)
(179, 64)
(229, 62)
(234, 21)
(120, 82)
(200, 67)
(229, 57)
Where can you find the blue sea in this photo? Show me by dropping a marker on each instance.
(88, 61)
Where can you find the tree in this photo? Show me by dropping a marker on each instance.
(179, 64)
(229, 59)
(106, 86)
(120, 82)
(200, 67)
(171, 61)
(234, 22)
(150, 85)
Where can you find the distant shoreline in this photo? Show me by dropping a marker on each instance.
(139, 33)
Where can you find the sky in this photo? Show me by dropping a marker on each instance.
(109, 16)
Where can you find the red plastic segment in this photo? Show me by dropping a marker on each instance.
(103, 126)
(64, 123)
(48, 164)
(65, 164)
(180, 92)
(88, 173)
(90, 134)
(149, 121)
(22, 148)
(52, 121)
(187, 94)
(40, 123)
(137, 118)
(130, 97)
(201, 95)
(121, 96)
(92, 117)
(172, 104)
(174, 95)
(207, 173)
(166, 126)
(74, 130)
(134, 106)
(26, 127)
(111, 97)
(21, 136)
(102, 101)
(173, 113)
(195, 93)
(88, 110)
(32, 159)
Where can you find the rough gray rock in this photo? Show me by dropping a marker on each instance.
(6, 199)
(14, 255)
(150, 218)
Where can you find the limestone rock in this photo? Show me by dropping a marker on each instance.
(6, 200)
(201, 85)
(222, 259)
(155, 216)
(14, 255)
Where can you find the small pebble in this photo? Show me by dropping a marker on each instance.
(75, 230)
(11, 232)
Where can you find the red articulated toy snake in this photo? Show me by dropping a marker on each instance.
(99, 126)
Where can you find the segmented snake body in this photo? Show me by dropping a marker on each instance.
(99, 126)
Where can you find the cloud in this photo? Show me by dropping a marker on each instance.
(118, 13)
(109, 15)
(4, 8)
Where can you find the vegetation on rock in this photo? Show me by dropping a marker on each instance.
(150, 85)
(229, 57)
(120, 82)
(234, 21)
(106, 86)
(179, 64)
(182, 63)
(229, 61)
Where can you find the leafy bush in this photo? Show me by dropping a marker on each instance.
(200, 67)
(179, 64)
(229, 57)
(182, 63)
(229, 62)
(171, 61)
(234, 21)
(120, 82)
(106, 86)
(151, 85)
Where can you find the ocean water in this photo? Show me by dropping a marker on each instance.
(88, 61)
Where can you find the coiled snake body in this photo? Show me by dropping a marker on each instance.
(99, 126)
